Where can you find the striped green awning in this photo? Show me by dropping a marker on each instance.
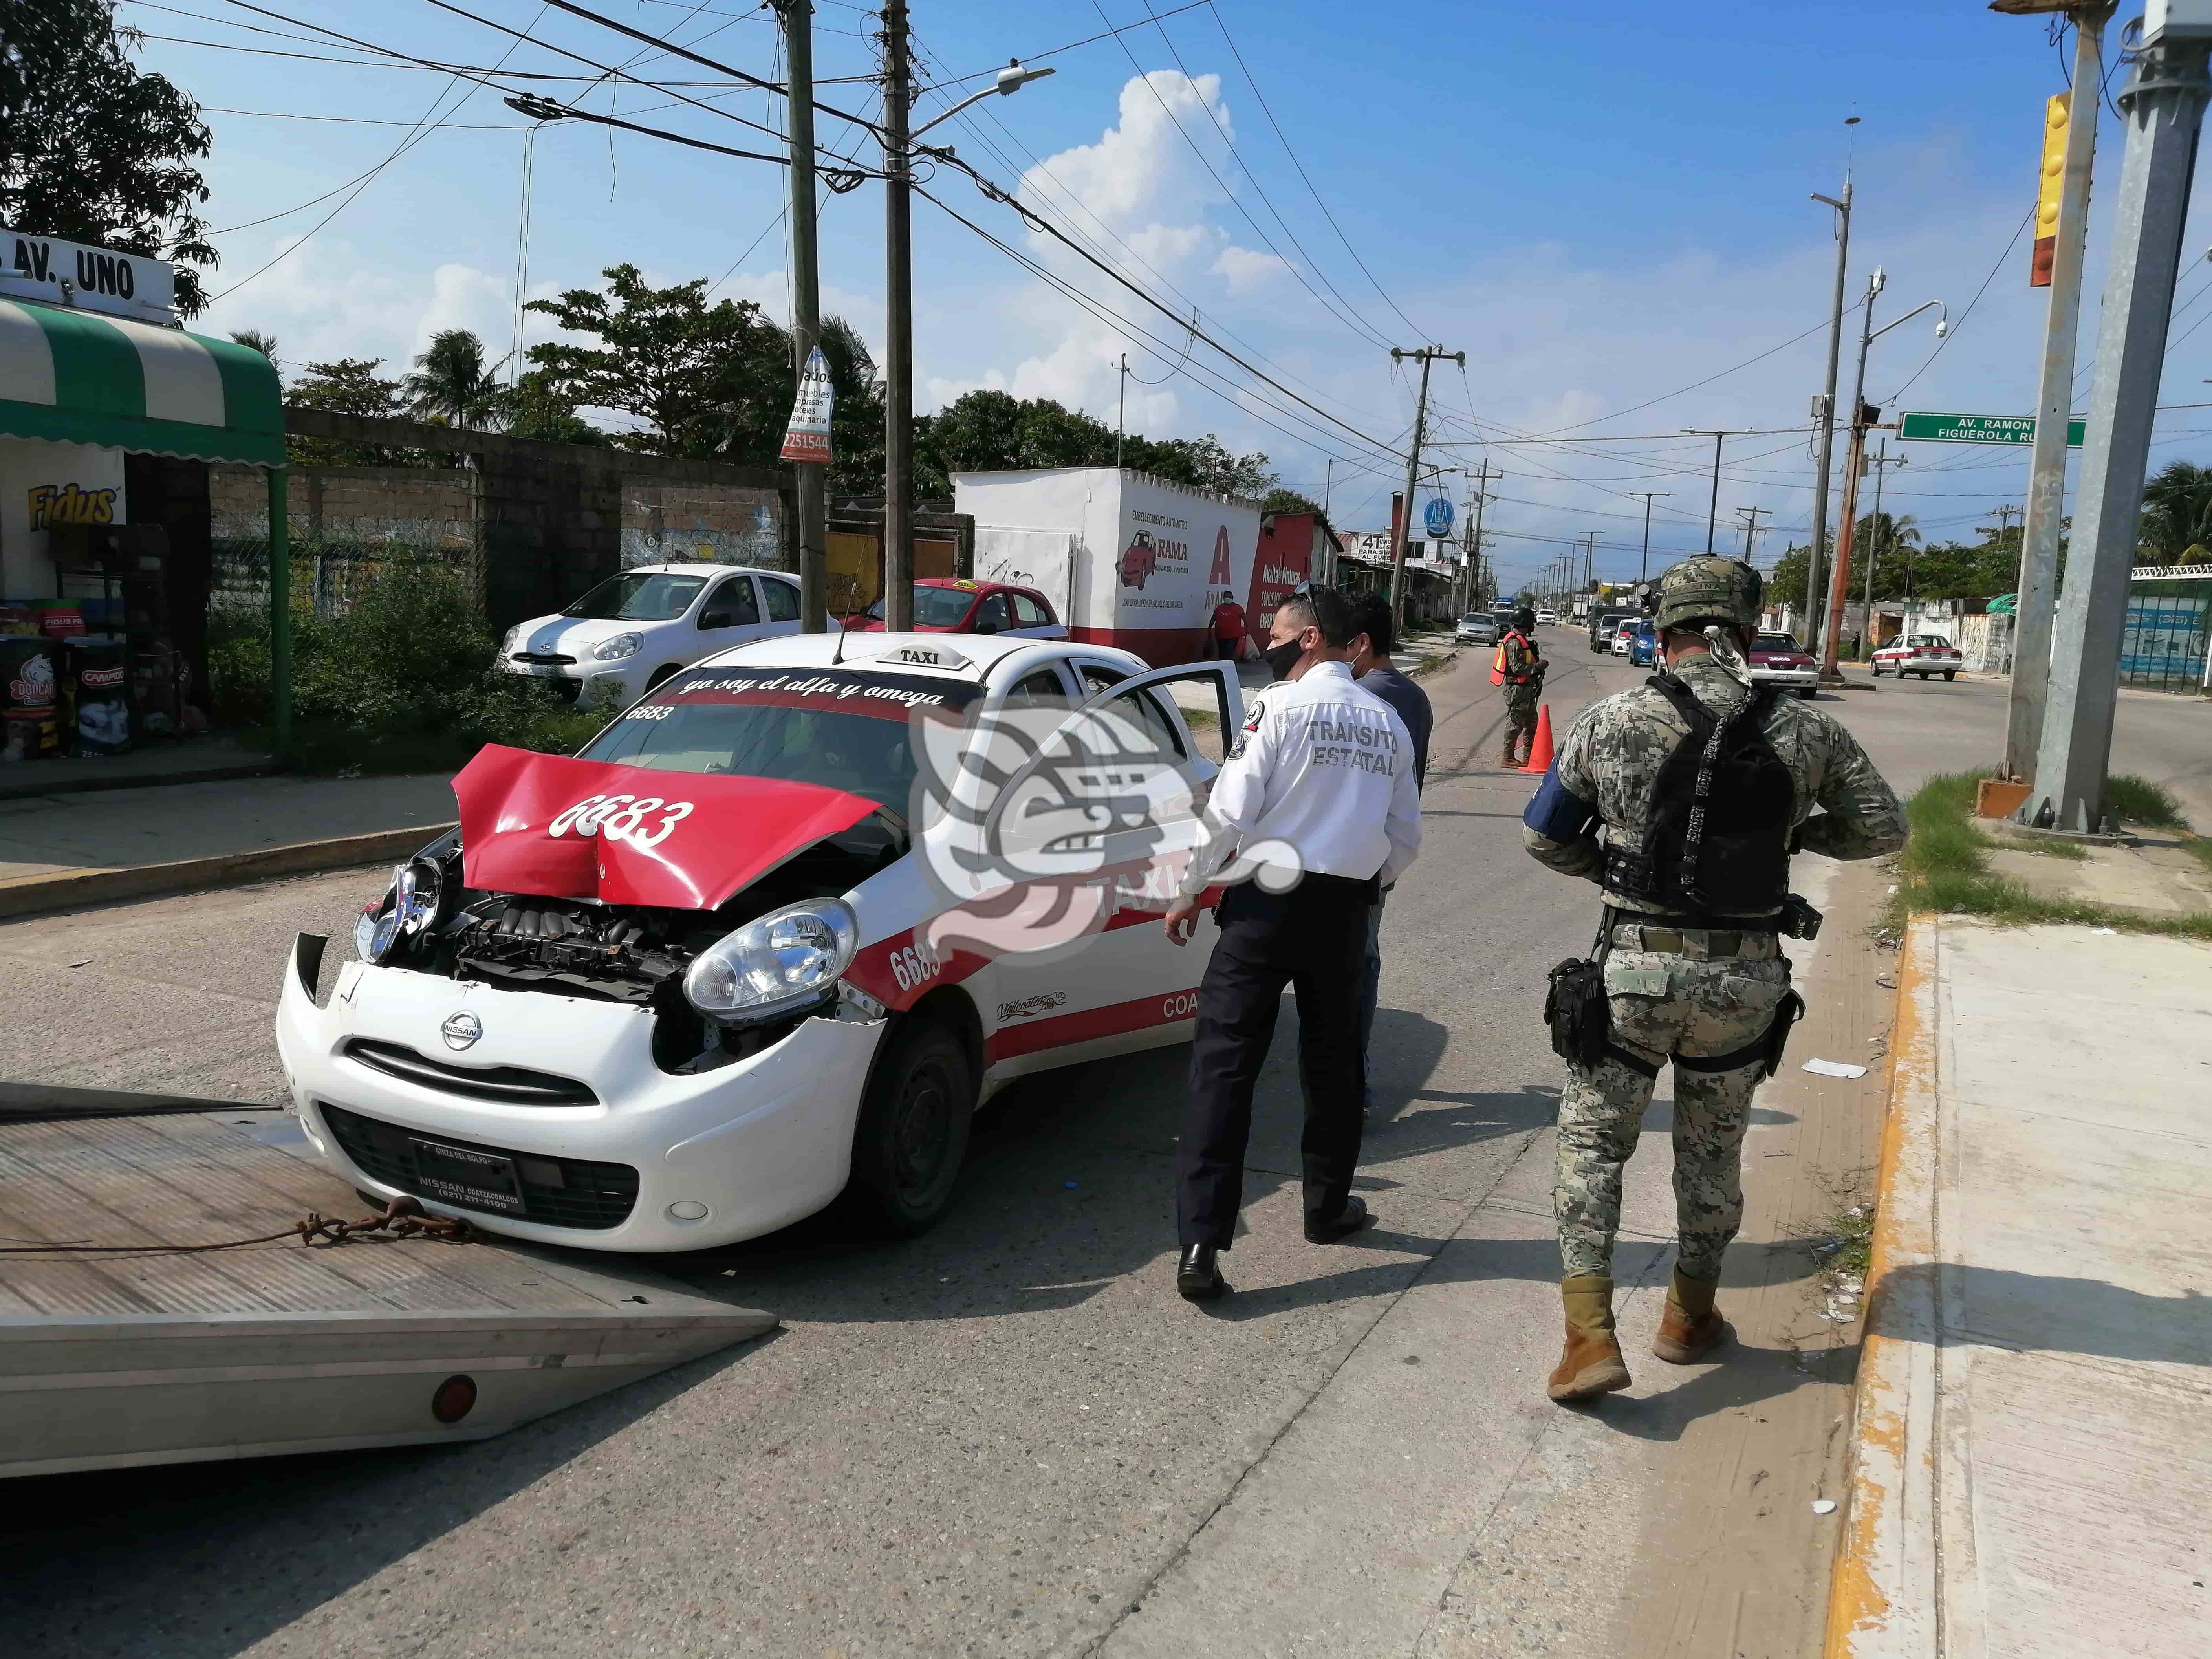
(77, 377)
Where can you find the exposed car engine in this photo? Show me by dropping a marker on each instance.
(427, 922)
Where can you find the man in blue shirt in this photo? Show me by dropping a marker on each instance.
(1374, 636)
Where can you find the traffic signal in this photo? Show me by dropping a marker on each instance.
(2050, 186)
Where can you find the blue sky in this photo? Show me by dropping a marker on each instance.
(1600, 206)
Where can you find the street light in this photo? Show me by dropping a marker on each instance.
(1853, 459)
(898, 307)
(1011, 79)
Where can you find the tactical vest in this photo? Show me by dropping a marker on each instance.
(1716, 828)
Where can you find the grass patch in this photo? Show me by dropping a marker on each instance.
(2200, 848)
(1200, 720)
(2138, 800)
(1945, 866)
(1851, 1231)
(1432, 662)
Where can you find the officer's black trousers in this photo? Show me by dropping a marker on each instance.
(1314, 938)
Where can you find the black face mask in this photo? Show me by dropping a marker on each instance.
(1281, 658)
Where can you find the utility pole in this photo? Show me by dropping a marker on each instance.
(1589, 560)
(1751, 516)
(811, 481)
(1882, 462)
(898, 320)
(1483, 479)
(2163, 108)
(1121, 418)
(1644, 566)
(2034, 600)
(1826, 414)
(1428, 355)
(1713, 511)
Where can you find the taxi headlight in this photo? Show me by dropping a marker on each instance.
(409, 906)
(507, 641)
(778, 965)
(623, 645)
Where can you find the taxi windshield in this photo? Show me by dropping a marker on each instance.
(933, 607)
(1775, 642)
(835, 728)
(639, 596)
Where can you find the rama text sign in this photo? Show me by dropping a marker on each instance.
(1978, 428)
(92, 278)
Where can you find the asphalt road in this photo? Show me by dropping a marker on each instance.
(1008, 1436)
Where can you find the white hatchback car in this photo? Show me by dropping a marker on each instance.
(634, 630)
(692, 984)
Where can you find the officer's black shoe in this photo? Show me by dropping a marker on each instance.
(1198, 1277)
(1349, 1220)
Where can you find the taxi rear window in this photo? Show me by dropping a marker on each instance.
(841, 729)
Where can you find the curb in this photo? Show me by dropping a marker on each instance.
(26, 896)
(1884, 1594)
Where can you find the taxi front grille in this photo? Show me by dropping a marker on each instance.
(507, 1085)
(556, 1192)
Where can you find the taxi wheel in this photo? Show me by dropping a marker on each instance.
(912, 1134)
(1950, 676)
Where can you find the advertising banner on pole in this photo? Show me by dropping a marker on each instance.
(807, 437)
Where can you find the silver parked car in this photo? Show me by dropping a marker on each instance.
(1476, 627)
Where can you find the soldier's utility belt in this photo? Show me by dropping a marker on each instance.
(1580, 1012)
(1698, 944)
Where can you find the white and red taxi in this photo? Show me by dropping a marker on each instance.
(1776, 660)
(770, 937)
(1919, 654)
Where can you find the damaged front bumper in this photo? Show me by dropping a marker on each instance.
(548, 1118)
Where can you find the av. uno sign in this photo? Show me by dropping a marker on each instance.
(91, 279)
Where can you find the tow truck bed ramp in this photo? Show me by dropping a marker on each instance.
(111, 1361)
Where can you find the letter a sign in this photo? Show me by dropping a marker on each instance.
(807, 437)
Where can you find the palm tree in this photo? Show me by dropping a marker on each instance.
(255, 339)
(451, 382)
(2177, 511)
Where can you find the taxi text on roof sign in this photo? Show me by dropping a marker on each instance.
(1978, 428)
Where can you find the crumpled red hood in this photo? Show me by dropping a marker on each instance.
(575, 829)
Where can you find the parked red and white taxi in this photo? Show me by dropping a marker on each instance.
(1919, 654)
(1777, 660)
(691, 984)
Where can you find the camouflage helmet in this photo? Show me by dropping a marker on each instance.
(1710, 588)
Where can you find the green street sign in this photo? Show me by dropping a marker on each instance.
(1978, 429)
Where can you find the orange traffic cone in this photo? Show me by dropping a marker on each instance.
(1540, 746)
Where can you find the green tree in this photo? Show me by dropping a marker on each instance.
(1280, 500)
(2177, 515)
(856, 411)
(990, 431)
(452, 383)
(91, 151)
(539, 411)
(701, 380)
(350, 385)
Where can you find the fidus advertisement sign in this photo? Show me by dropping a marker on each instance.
(90, 278)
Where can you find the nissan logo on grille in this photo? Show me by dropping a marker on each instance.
(462, 1030)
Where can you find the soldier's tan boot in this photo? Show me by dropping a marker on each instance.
(1592, 1364)
(1507, 758)
(1692, 1326)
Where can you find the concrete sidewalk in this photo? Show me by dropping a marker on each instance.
(63, 850)
(2033, 1427)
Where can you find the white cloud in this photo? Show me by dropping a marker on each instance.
(1246, 270)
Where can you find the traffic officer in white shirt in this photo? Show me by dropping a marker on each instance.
(1318, 801)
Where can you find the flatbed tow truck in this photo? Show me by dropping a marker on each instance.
(125, 1340)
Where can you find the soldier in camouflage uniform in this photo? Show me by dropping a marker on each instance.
(1682, 993)
(1523, 667)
